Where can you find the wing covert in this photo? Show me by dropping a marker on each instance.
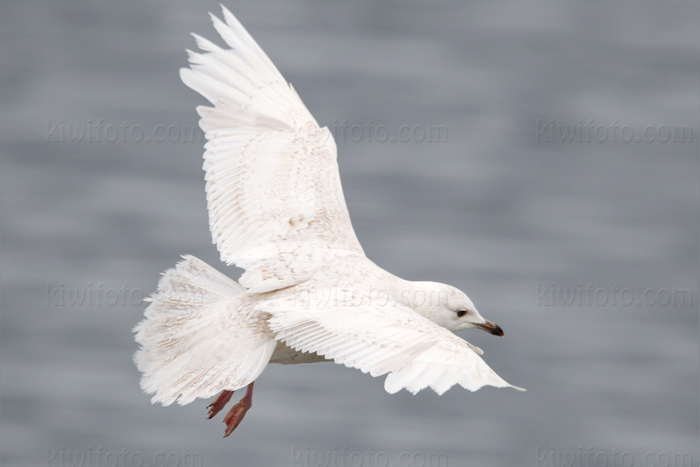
(379, 338)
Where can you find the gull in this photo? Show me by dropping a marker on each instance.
(308, 293)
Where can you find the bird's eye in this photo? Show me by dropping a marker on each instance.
(461, 313)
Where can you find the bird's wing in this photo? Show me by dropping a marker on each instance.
(276, 206)
(379, 337)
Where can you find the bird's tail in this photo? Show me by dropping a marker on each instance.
(198, 336)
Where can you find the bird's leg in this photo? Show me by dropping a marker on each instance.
(218, 403)
(234, 416)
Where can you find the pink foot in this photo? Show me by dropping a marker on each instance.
(218, 403)
(234, 416)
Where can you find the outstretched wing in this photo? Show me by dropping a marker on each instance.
(414, 351)
(276, 206)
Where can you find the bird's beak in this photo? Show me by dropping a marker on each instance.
(491, 328)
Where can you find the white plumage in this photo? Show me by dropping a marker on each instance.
(276, 209)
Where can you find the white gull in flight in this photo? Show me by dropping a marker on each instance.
(309, 293)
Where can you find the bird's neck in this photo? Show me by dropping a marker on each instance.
(424, 297)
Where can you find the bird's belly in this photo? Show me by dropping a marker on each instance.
(285, 355)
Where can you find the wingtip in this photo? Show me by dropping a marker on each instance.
(218, 22)
(229, 17)
(225, 10)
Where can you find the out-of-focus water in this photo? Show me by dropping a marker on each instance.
(498, 210)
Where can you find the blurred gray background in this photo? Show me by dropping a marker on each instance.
(506, 209)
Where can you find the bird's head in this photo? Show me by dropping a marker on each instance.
(450, 308)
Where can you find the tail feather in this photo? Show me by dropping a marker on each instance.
(199, 336)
